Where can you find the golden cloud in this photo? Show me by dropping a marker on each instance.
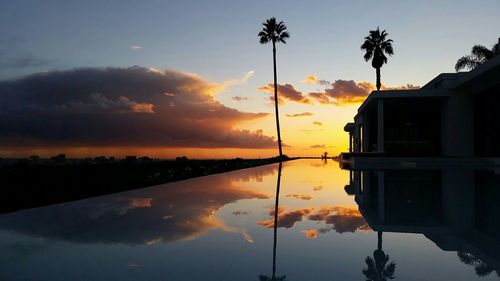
(286, 219)
(343, 218)
(349, 92)
(310, 79)
(300, 196)
(310, 233)
(286, 92)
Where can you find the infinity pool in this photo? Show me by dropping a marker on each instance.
(221, 227)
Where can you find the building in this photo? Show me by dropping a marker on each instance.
(454, 207)
(454, 115)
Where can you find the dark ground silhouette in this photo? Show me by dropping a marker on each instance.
(26, 185)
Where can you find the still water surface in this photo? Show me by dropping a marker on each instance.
(221, 227)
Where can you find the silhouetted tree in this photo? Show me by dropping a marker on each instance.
(377, 267)
(274, 32)
(480, 267)
(275, 229)
(479, 55)
(376, 46)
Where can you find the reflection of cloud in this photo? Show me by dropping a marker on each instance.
(300, 196)
(156, 108)
(318, 146)
(310, 233)
(317, 123)
(318, 188)
(238, 98)
(286, 219)
(285, 92)
(303, 114)
(257, 173)
(343, 219)
(240, 213)
(179, 211)
(348, 92)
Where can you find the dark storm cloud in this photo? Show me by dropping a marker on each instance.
(133, 106)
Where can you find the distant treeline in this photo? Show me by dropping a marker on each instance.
(27, 185)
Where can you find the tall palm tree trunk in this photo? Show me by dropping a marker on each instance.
(276, 220)
(276, 99)
(379, 240)
(378, 79)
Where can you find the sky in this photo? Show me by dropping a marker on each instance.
(172, 78)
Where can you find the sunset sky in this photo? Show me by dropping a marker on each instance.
(172, 78)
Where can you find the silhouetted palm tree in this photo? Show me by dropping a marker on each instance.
(274, 32)
(480, 267)
(376, 46)
(275, 228)
(479, 55)
(377, 267)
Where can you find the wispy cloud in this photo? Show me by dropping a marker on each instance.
(303, 114)
(17, 61)
(300, 196)
(318, 146)
(240, 81)
(239, 98)
(317, 123)
(136, 47)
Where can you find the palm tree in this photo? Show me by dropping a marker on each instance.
(480, 267)
(274, 32)
(479, 55)
(376, 46)
(275, 228)
(377, 267)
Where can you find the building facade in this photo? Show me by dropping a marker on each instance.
(454, 115)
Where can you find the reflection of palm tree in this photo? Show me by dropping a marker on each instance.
(275, 227)
(479, 55)
(274, 32)
(376, 46)
(480, 267)
(377, 267)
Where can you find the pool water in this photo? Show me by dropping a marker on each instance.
(221, 227)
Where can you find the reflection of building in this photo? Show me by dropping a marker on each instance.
(455, 114)
(455, 208)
